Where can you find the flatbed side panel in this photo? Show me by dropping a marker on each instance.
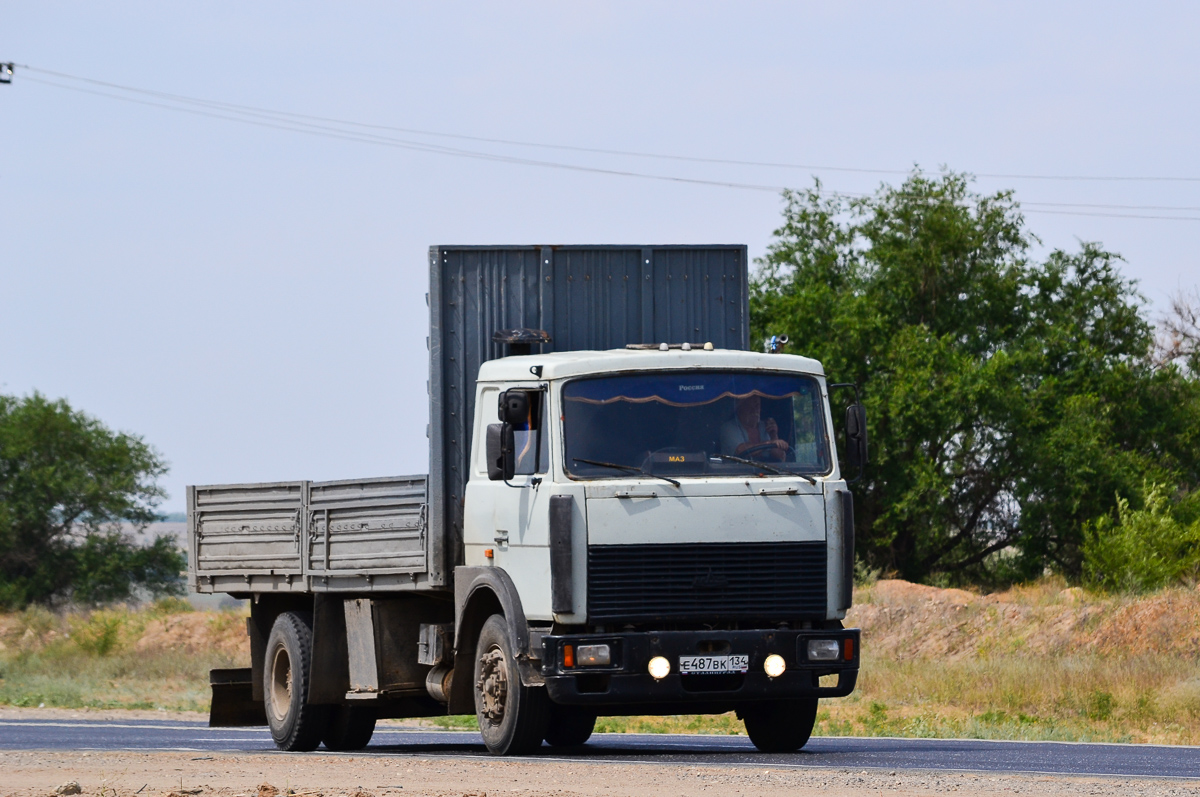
(245, 536)
(367, 533)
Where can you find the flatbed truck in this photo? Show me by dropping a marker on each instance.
(627, 512)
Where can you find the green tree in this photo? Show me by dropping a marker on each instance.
(1009, 400)
(72, 492)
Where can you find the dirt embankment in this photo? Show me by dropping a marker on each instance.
(151, 630)
(901, 620)
(194, 632)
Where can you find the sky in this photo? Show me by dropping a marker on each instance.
(250, 300)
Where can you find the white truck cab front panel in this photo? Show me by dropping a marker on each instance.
(759, 510)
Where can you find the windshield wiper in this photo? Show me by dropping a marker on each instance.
(765, 466)
(629, 468)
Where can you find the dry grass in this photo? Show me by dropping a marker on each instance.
(155, 657)
(1041, 661)
(1037, 662)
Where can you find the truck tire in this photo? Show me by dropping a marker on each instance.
(512, 717)
(569, 727)
(349, 728)
(781, 726)
(287, 668)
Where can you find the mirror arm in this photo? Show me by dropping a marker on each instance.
(852, 385)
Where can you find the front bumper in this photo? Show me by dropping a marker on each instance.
(627, 682)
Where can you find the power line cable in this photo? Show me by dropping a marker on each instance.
(593, 150)
(278, 121)
(420, 146)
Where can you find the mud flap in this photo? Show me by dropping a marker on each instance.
(233, 703)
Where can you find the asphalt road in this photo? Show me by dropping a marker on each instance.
(834, 752)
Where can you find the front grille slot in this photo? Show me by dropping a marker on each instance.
(707, 581)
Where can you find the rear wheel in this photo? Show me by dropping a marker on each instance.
(350, 728)
(782, 726)
(295, 724)
(569, 727)
(512, 718)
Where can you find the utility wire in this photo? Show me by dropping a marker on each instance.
(279, 120)
(568, 147)
(418, 146)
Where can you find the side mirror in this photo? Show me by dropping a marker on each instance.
(514, 407)
(856, 436)
(501, 452)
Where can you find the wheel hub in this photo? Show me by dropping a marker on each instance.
(281, 685)
(493, 685)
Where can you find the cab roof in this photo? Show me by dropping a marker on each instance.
(560, 365)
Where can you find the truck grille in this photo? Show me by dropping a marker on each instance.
(707, 581)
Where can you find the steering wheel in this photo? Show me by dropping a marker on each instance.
(789, 455)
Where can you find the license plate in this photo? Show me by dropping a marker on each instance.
(720, 665)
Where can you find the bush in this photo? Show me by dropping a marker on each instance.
(171, 604)
(101, 633)
(1142, 549)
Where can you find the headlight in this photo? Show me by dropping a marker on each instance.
(659, 668)
(774, 665)
(823, 650)
(593, 655)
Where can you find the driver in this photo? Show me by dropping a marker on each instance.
(746, 431)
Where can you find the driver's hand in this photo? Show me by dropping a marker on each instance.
(781, 444)
(772, 428)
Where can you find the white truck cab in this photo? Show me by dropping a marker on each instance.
(657, 418)
(680, 506)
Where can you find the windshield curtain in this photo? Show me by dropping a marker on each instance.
(679, 424)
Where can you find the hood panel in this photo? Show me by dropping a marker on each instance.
(653, 515)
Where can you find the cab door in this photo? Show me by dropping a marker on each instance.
(511, 519)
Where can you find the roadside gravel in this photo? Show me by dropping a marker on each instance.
(196, 774)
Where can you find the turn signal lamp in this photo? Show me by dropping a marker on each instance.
(568, 655)
(824, 650)
(849, 650)
(659, 668)
(774, 665)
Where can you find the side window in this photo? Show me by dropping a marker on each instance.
(531, 439)
(812, 452)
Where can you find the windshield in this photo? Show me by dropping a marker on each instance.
(691, 424)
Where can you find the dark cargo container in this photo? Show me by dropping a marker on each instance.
(585, 297)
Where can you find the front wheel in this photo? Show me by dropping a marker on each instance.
(512, 718)
(780, 727)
